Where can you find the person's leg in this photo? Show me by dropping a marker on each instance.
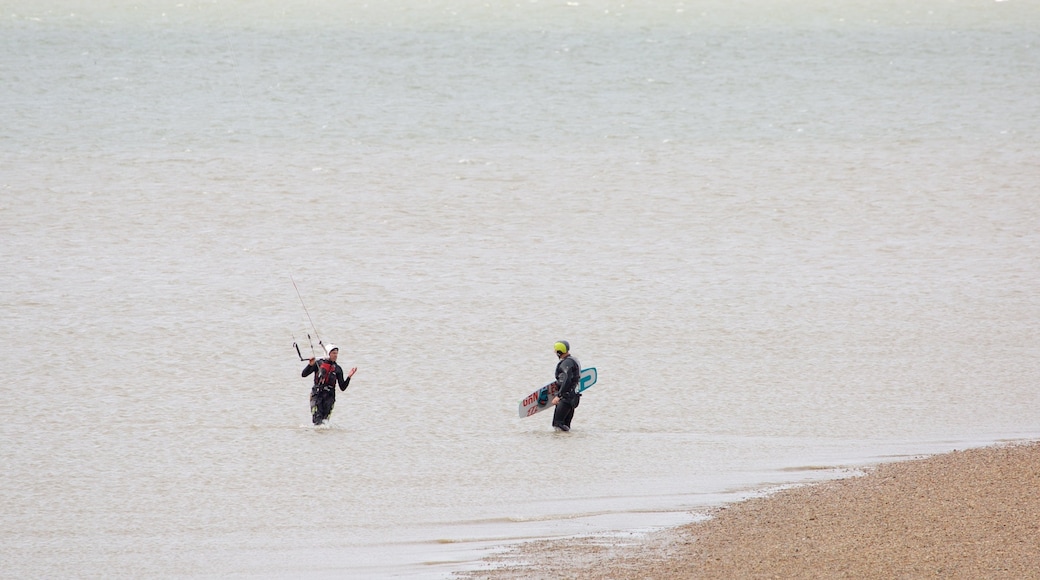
(568, 414)
(330, 402)
(562, 416)
(316, 416)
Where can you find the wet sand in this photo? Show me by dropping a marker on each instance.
(964, 514)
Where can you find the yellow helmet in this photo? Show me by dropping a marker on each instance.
(562, 347)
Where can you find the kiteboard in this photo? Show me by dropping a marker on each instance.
(542, 398)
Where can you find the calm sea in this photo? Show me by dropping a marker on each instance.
(794, 237)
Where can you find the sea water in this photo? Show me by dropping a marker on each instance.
(793, 237)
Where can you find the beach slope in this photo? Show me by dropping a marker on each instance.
(965, 514)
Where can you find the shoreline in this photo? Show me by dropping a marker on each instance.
(971, 513)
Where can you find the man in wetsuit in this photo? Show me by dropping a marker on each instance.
(568, 374)
(327, 374)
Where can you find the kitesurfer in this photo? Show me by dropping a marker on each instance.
(568, 374)
(327, 374)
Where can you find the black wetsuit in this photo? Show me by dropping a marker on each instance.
(323, 393)
(568, 374)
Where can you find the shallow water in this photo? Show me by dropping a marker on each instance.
(791, 238)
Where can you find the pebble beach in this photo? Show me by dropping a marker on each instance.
(966, 514)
